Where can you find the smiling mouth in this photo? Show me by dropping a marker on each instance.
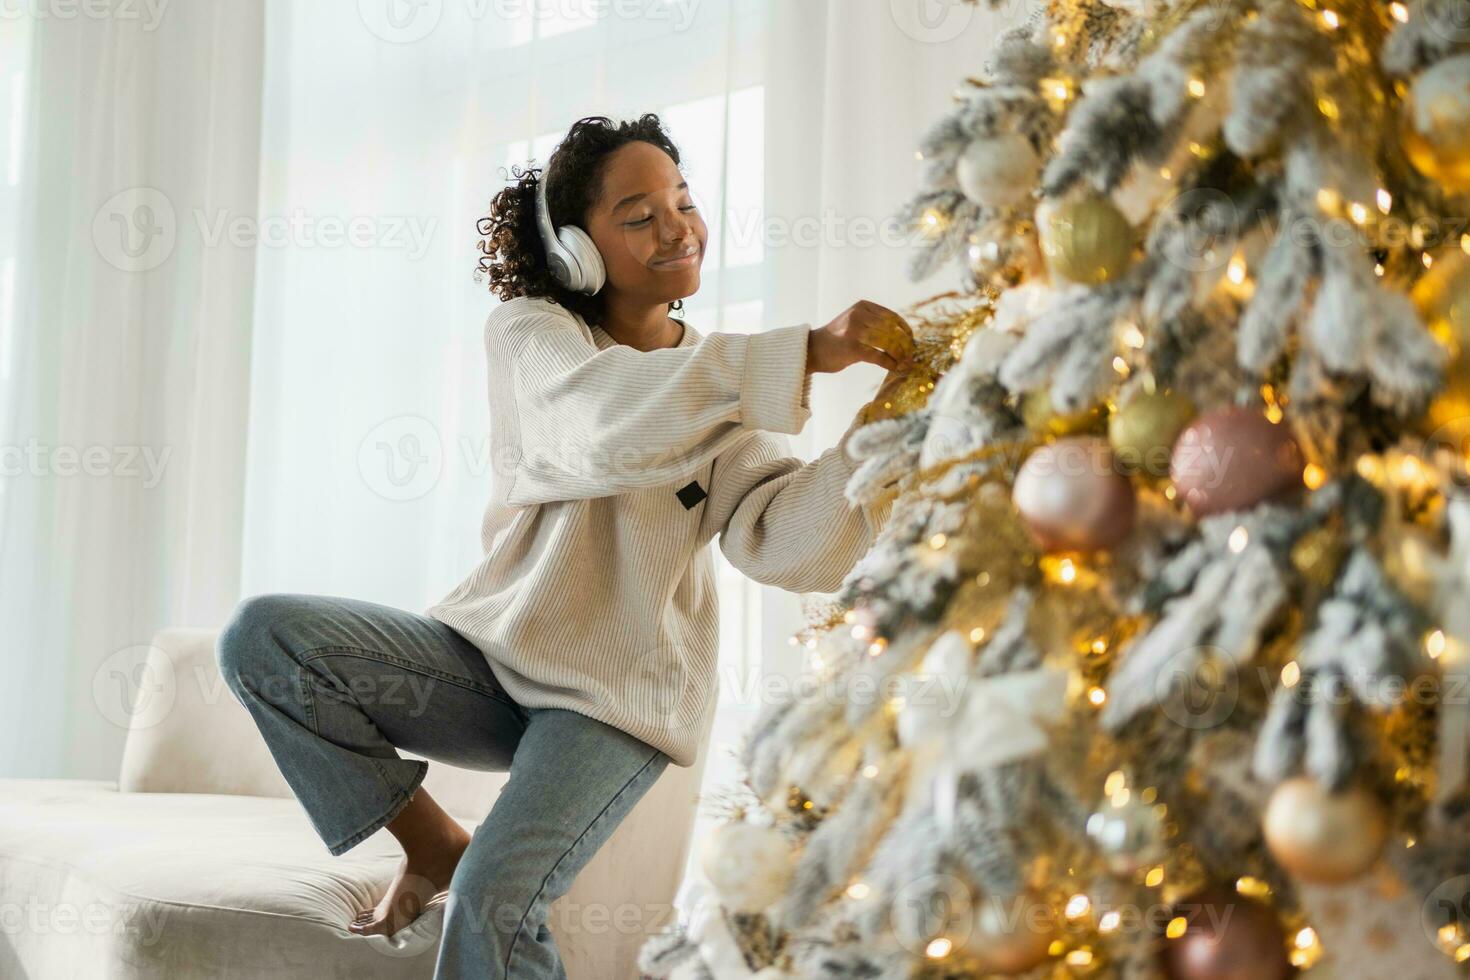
(678, 261)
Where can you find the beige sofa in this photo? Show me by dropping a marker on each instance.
(197, 862)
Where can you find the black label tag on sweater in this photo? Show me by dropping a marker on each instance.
(691, 494)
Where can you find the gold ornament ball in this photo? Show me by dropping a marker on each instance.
(1436, 123)
(1085, 240)
(1318, 554)
(1144, 428)
(1322, 837)
(1008, 939)
(1228, 937)
(1005, 253)
(1042, 418)
(1442, 297)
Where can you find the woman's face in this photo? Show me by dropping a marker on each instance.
(647, 228)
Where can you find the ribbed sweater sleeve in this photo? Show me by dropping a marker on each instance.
(591, 423)
(785, 522)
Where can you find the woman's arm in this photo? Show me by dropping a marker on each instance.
(785, 522)
(592, 422)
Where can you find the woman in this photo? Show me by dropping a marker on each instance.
(580, 654)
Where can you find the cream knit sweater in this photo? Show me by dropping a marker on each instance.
(613, 470)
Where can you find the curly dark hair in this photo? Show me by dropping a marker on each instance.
(513, 256)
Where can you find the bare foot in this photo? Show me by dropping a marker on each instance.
(420, 877)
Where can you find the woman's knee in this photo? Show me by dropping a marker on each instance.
(494, 891)
(250, 642)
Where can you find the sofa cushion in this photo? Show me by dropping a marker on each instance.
(241, 886)
(180, 693)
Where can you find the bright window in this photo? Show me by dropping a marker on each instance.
(15, 50)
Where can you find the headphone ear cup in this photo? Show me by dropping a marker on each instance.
(579, 245)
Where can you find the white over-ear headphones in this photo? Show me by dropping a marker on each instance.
(574, 260)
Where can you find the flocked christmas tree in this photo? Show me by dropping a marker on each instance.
(1159, 667)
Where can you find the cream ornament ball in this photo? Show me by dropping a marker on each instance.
(1006, 939)
(998, 171)
(1071, 496)
(748, 865)
(1323, 837)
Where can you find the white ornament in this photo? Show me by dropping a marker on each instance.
(747, 864)
(1441, 96)
(1002, 719)
(998, 171)
(1016, 308)
(1007, 717)
(931, 695)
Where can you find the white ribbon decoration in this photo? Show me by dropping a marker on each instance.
(1003, 718)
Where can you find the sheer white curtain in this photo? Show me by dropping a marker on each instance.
(124, 331)
(350, 189)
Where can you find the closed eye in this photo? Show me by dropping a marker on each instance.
(643, 221)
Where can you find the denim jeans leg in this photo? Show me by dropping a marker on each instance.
(336, 686)
(572, 782)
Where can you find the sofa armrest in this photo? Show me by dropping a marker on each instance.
(187, 733)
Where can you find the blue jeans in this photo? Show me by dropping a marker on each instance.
(334, 685)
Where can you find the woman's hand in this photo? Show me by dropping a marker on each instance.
(863, 332)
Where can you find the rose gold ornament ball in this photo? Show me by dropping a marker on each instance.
(1232, 459)
(1229, 937)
